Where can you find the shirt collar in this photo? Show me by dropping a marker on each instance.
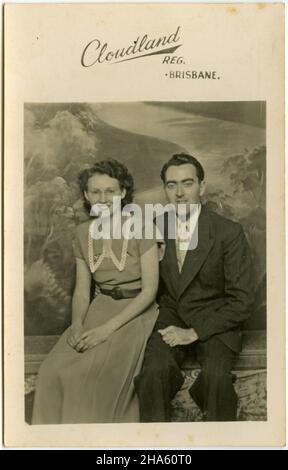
(185, 229)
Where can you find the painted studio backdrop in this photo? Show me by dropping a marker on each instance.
(62, 139)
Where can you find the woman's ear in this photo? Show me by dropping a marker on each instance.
(123, 193)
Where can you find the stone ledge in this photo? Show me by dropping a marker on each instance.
(252, 357)
(250, 387)
(249, 369)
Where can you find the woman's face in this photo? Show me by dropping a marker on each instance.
(101, 189)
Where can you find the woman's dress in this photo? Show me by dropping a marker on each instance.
(96, 386)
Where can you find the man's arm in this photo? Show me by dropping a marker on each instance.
(238, 290)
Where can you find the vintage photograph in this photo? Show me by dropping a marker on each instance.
(144, 241)
(148, 329)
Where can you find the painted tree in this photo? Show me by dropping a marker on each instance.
(247, 205)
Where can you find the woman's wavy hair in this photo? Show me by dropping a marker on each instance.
(114, 169)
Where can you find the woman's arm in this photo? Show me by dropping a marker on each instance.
(80, 301)
(150, 278)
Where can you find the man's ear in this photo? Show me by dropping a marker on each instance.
(86, 195)
(123, 193)
(202, 187)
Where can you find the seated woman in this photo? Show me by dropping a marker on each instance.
(88, 376)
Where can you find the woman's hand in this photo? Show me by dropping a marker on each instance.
(91, 338)
(74, 334)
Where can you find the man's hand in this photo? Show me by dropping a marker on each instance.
(174, 336)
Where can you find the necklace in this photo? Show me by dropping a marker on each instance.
(107, 252)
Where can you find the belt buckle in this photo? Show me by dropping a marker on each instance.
(116, 293)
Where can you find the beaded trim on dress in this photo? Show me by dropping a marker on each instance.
(107, 252)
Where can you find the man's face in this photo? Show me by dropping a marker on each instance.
(182, 185)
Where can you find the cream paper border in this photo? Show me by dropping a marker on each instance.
(244, 43)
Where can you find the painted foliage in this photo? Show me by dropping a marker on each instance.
(62, 139)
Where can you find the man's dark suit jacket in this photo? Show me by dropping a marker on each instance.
(214, 292)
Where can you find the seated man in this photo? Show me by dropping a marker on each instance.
(206, 296)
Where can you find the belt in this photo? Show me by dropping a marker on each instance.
(117, 293)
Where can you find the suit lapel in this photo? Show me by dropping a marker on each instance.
(169, 269)
(169, 264)
(196, 257)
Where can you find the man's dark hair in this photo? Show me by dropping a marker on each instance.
(114, 169)
(183, 159)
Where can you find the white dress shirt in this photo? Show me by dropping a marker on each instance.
(185, 232)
